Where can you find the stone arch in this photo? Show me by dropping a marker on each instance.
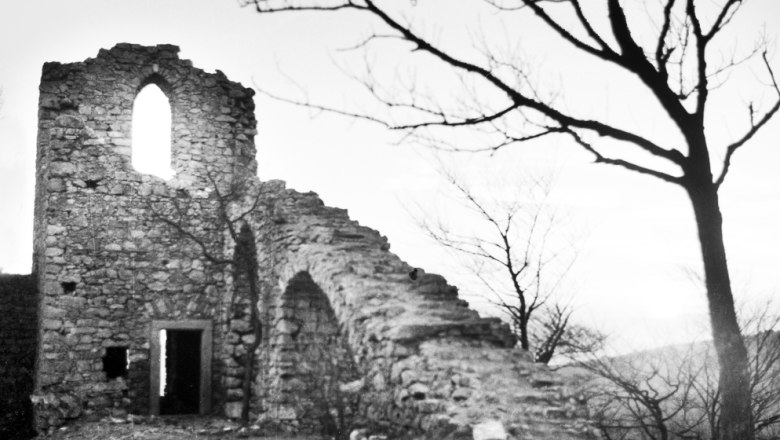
(311, 375)
(158, 79)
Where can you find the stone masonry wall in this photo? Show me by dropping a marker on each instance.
(107, 264)
(307, 364)
(431, 366)
(349, 329)
(242, 331)
(18, 332)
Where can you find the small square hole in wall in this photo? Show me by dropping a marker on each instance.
(68, 286)
(115, 362)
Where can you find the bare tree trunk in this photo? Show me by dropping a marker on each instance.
(247, 263)
(249, 361)
(246, 387)
(734, 379)
(524, 332)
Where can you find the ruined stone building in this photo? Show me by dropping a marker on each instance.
(149, 293)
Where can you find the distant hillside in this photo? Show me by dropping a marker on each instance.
(674, 389)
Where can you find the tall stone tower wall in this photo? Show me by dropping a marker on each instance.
(106, 265)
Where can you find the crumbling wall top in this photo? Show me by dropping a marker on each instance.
(213, 121)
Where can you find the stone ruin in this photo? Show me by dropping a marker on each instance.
(149, 294)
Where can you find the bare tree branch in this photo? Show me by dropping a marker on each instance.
(262, 6)
(755, 126)
(603, 51)
(725, 15)
(516, 112)
(623, 163)
(662, 53)
(511, 255)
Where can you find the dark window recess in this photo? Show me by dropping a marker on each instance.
(115, 362)
(68, 286)
(91, 183)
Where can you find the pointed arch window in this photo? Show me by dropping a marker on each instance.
(151, 136)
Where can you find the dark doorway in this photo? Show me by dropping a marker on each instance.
(182, 372)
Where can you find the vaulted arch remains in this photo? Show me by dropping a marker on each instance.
(311, 376)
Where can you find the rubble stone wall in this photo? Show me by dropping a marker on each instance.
(430, 365)
(18, 332)
(107, 263)
(307, 364)
(115, 250)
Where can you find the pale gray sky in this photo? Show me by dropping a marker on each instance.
(639, 238)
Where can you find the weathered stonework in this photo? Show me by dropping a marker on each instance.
(107, 266)
(430, 365)
(345, 330)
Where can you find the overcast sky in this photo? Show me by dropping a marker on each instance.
(636, 235)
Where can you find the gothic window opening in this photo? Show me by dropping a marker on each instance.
(151, 135)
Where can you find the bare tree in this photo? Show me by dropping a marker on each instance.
(176, 212)
(673, 393)
(553, 334)
(763, 345)
(640, 398)
(515, 252)
(674, 61)
(765, 382)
